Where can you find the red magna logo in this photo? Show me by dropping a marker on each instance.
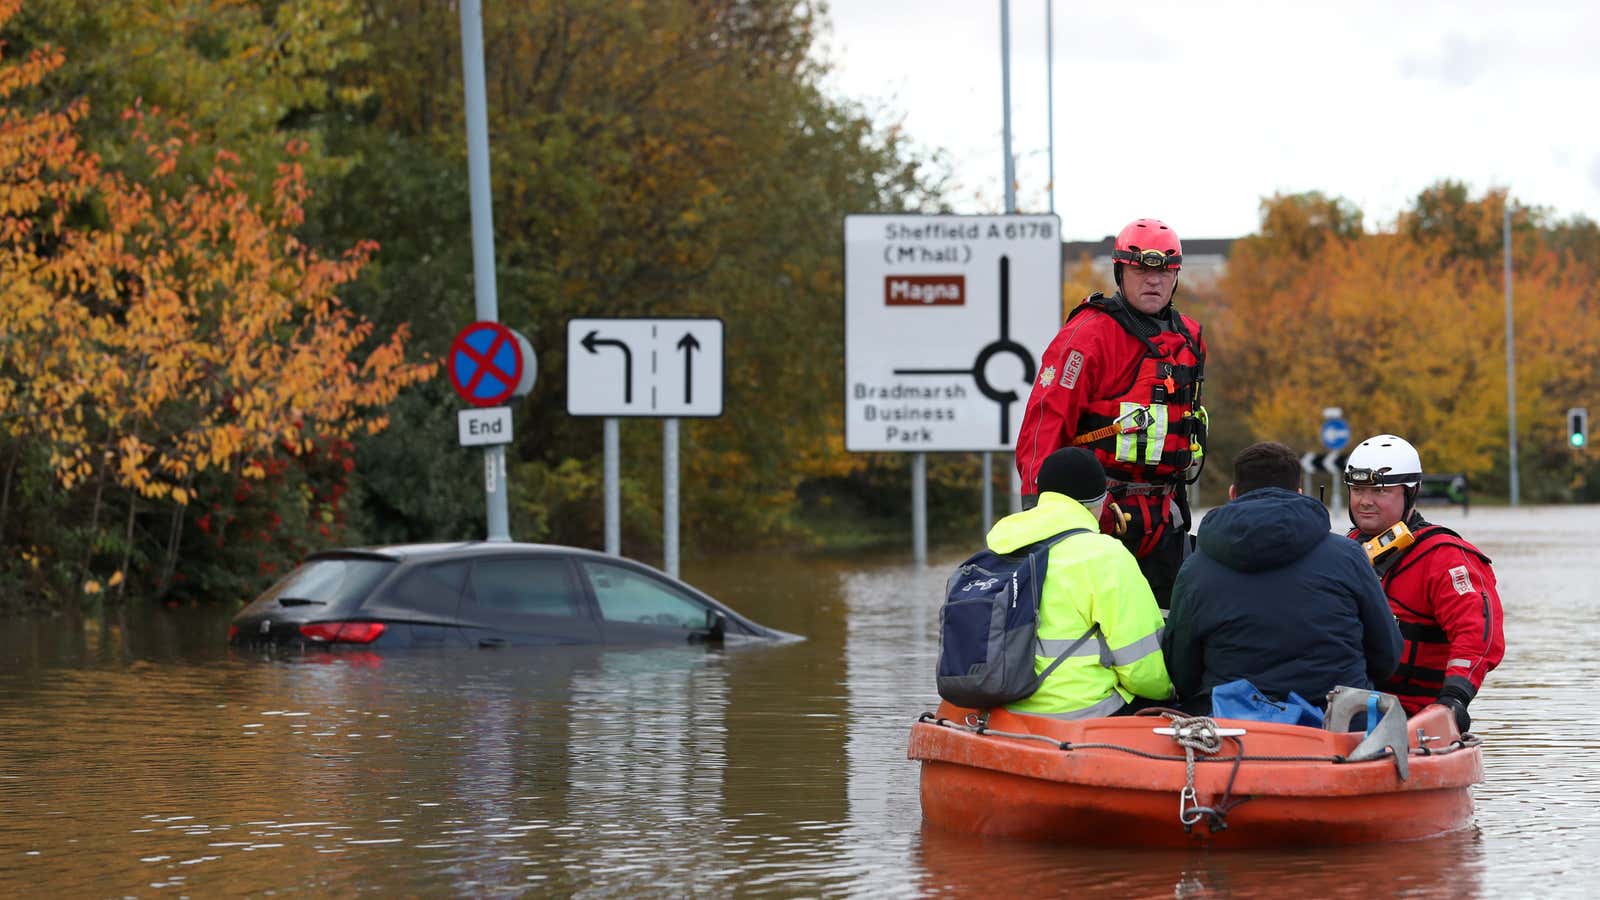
(925, 290)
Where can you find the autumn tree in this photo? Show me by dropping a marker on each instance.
(162, 339)
(1404, 330)
(649, 159)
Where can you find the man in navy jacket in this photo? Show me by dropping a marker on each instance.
(1274, 596)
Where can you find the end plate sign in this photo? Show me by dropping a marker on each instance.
(483, 427)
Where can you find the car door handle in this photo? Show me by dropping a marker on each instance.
(492, 642)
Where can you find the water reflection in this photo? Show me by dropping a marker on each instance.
(137, 756)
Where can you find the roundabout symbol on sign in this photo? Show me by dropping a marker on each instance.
(486, 363)
(1001, 345)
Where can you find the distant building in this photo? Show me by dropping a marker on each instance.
(1204, 259)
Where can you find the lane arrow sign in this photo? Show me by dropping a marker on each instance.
(688, 345)
(1333, 464)
(593, 340)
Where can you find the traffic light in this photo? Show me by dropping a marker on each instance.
(1578, 427)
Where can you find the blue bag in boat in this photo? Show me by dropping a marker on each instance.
(1240, 700)
(988, 626)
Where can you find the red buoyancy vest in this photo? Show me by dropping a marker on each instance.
(1428, 590)
(1162, 395)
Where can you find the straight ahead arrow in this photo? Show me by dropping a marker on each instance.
(688, 345)
(593, 340)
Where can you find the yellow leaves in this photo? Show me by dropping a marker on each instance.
(187, 329)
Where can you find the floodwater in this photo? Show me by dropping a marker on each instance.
(138, 757)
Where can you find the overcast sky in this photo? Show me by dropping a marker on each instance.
(1192, 112)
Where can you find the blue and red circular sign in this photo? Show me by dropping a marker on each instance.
(486, 363)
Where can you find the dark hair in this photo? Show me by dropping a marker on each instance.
(1267, 464)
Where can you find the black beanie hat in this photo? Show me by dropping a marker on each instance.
(1075, 472)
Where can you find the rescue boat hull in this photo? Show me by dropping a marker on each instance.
(1108, 790)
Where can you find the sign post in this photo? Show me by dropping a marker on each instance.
(483, 287)
(945, 318)
(644, 368)
(1335, 435)
(489, 364)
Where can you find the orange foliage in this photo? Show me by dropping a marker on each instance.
(1405, 331)
(149, 331)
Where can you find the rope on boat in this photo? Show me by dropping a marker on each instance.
(982, 728)
(1194, 734)
(1198, 734)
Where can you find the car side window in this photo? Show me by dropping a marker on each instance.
(628, 596)
(537, 586)
(434, 589)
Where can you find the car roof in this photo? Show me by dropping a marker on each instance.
(428, 552)
(422, 553)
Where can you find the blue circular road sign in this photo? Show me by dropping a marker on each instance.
(1335, 434)
(485, 363)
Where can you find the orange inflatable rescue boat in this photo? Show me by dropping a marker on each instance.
(1169, 780)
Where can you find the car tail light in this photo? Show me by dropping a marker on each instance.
(343, 632)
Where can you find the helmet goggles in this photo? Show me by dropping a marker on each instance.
(1148, 259)
(1378, 477)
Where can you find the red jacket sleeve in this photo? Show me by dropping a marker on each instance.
(1466, 605)
(1069, 374)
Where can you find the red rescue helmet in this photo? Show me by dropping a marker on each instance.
(1148, 243)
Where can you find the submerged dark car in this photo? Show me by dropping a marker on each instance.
(484, 594)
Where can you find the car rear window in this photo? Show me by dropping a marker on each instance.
(329, 581)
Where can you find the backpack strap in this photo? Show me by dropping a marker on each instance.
(1042, 550)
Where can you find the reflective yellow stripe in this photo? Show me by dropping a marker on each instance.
(1128, 444)
(1157, 434)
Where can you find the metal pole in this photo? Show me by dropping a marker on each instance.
(988, 492)
(1050, 93)
(669, 496)
(487, 308)
(1511, 365)
(919, 508)
(613, 489)
(1011, 173)
(1005, 104)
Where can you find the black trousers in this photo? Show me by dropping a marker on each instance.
(1160, 567)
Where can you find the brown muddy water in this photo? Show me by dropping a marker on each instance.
(139, 757)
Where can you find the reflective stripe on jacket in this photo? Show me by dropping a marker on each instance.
(1092, 584)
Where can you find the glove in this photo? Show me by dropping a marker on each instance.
(1451, 698)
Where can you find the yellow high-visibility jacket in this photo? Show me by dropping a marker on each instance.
(1092, 582)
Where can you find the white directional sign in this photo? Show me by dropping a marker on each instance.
(945, 320)
(481, 427)
(668, 368)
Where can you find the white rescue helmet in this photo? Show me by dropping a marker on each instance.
(1383, 460)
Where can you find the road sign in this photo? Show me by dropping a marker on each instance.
(482, 427)
(665, 368)
(1332, 463)
(945, 319)
(1335, 434)
(489, 364)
